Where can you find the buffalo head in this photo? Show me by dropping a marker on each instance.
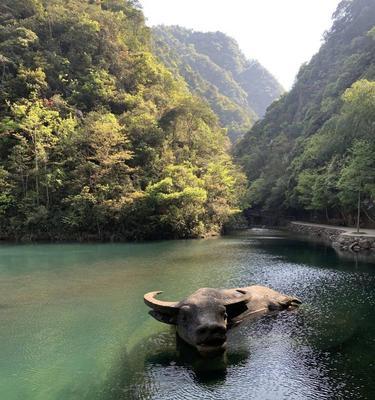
(202, 319)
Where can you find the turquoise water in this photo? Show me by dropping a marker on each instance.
(74, 326)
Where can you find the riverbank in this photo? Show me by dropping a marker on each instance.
(341, 238)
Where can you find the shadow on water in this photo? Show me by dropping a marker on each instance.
(158, 362)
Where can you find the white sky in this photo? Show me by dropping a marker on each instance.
(280, 34)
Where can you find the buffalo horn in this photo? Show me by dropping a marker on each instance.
(159, 305)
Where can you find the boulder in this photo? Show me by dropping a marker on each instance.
(355, 247)
(365, 244)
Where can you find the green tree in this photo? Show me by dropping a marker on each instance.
(97, 138)
(6, 197)
(358, 177)
(294, 156)
(176, 203)
(34, 128)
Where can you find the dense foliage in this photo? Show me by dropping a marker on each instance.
(313, 155)
(238, 90)
(97, 139)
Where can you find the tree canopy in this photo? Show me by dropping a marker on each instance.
(97, 138)
(314, 149)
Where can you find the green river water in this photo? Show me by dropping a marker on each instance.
(74, 326)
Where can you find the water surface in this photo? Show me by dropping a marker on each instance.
(74, 326)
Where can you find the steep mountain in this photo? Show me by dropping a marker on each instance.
(313, 154)
(98, 139)
(238, 90)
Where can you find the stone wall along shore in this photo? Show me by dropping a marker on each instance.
(339, 238)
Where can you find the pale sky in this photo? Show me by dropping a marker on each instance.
(280, 34)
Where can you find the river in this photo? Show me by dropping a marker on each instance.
(74, 326)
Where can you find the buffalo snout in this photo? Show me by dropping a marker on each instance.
(211, 337)
(208, 331)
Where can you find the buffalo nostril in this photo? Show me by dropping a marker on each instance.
(219, 330)
(202, 330)
(213, 329)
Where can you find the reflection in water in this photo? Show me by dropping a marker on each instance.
(163, 357)
(74, 325)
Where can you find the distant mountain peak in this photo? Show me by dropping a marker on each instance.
(238, 89)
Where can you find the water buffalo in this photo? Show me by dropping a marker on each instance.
(202, 319)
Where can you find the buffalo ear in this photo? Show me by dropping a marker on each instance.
(164, 317)
(236, 309)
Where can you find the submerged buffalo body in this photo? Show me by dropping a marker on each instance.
(203, 318)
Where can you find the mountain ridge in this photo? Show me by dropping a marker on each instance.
(300, 159)
(239, 90)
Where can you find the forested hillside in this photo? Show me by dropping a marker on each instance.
(313, 155)
(97, 139)
(238, 90)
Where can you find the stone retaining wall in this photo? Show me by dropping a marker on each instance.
(338, 238)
